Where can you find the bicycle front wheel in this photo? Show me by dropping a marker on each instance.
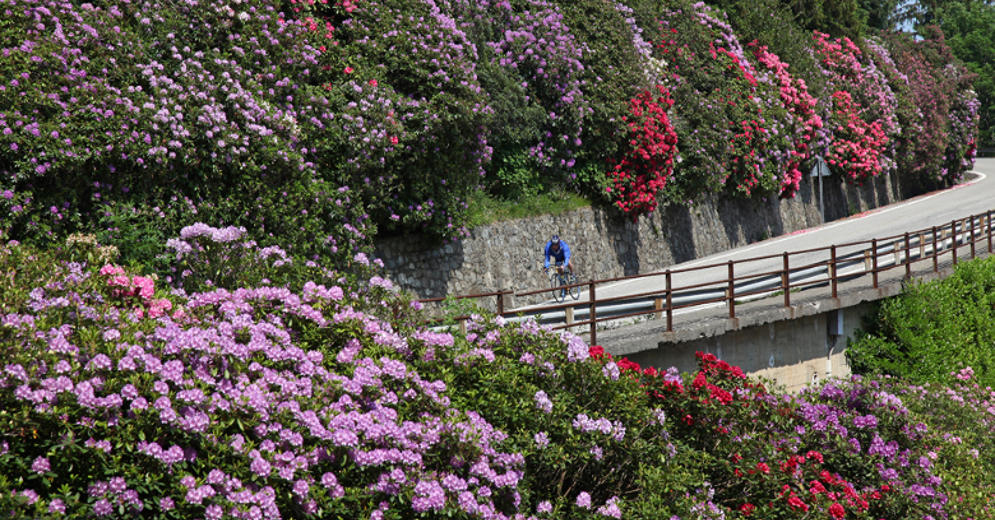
(555, 281)
(574, 291)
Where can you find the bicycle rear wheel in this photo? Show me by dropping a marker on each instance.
(555, 281)
(574, 291)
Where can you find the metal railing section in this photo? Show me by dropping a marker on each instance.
(803, 269)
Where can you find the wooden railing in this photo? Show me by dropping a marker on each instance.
(830, 265)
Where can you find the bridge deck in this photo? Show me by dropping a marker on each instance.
(625, 337)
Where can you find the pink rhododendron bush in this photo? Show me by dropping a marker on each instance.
(129, 396)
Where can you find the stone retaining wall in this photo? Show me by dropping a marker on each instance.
(509, 255)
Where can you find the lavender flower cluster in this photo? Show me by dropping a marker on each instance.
(872, 420)
(256, 403)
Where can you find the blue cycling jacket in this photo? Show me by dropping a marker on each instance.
(562, 256)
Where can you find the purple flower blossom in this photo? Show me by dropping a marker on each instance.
(41, 465)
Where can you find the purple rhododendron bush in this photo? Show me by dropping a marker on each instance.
(296, 391)
(316, 125)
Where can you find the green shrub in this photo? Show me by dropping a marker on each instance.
(934, 328)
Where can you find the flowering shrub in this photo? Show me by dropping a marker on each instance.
(644, 170)
(958, 410)
(150, 126)
(733, 130)
(864, 119)
(801, 106)
(842, 449)
(857, 145)
(215, 410)
(404, 72)
(262, 402)
(270, 403)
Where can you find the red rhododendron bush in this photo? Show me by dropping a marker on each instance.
(641, 174)
(296, 391)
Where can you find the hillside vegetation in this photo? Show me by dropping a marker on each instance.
(316, 125)
(191, 324)
(251, 398)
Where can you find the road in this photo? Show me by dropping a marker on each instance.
(933, 209)
(973, 197)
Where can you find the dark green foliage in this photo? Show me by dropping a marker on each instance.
(837, 18)
(968, 27)
(878, 14)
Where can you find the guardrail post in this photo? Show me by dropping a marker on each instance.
(568, 315)
(786, 282)
(972, 236)
(953, 240)
(731, 292)
(658, 305)
(874, 261)
(594, 315)
(670, 306)
(922, 246)
(462, 327)
(936, 252)
(989, 231)
(897, 248)
(832, 269)
(500, 303)
(908, 258)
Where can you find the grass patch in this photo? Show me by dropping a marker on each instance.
(486, 208)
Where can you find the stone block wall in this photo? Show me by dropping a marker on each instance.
(509, 255)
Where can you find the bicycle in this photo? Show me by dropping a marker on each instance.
(559, 277)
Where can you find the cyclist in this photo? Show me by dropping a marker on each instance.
(559, 251)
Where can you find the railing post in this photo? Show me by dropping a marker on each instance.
(936, 252)
(832, 268)
(953, 240)
(670, 306)
(972, 235)
(989, 231)
(786, 282)
(874, 261)
(594, 315)
(908, 258)
(731, 292)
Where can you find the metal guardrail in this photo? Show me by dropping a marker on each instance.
(835, 264)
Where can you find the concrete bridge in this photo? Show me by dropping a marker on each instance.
(784, 308)
(803, 338)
